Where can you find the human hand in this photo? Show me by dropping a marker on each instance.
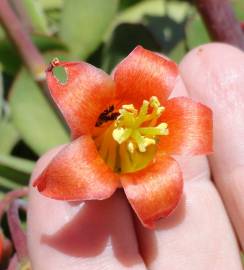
(198, 235)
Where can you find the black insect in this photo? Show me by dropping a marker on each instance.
(107, 115)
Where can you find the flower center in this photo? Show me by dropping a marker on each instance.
(129, 143)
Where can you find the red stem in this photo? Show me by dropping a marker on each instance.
(17, 234)
(242, 26)
(220, 21)
(11, 196)
(12, 206)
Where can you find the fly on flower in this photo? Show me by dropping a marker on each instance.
(124, 133)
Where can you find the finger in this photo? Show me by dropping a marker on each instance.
(93, 235)
(220, 84)
(198, 234)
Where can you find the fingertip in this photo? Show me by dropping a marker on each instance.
(214, 51)
(214, 74)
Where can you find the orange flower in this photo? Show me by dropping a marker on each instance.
(124, 132)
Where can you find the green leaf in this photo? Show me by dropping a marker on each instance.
(242, 258)
(178, 51)
(1, 92)
(19, 164)
(238, 6)
(124, 39)
(196, 33)
(169, 29)
(16, 177)
(178, 10)
(136, 13)
(84, 24)
(8, 136)
(52, 4)
(127, 3)
(164, 19)
(14, 172)
(166, 31)
(47, 43)
(34, 118)
(2, 33)
(8, 184)
(35, 16)
(9, 57)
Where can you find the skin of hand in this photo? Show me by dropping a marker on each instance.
(198, 235)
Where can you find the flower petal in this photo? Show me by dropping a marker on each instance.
(84, 96)
(190, 127)
(78, 173)
(144, 74)
(155, 191)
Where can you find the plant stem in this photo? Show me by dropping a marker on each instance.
(11, 196)
(17, 234)
(242, 27)
(220, 21)
(1, 94)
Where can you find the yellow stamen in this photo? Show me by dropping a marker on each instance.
(129, 143)
(137, 128)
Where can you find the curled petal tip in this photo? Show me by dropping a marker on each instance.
(77, 172)
(54, 63)
(39, 184)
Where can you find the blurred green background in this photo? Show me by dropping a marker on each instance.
(100, 32)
